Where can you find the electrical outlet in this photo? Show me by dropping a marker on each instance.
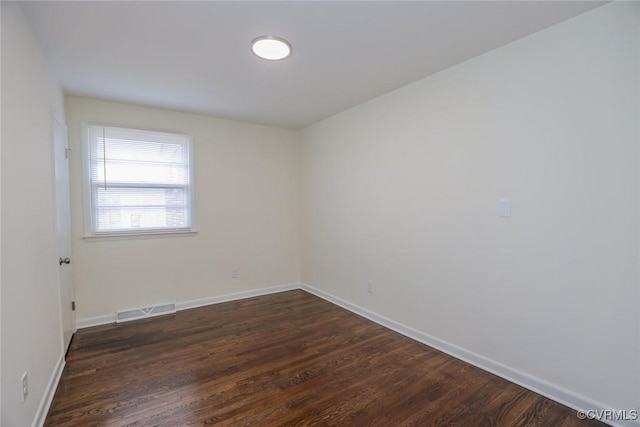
(370, 286)
(25, 386)
(235, 273)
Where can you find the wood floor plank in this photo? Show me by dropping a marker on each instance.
(283, 359)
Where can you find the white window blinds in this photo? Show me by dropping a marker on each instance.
(140, 181)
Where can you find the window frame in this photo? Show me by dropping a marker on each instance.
(89, 196)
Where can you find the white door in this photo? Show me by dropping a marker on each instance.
(63, 225)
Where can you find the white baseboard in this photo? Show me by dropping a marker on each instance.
(537, 385)
(95, 321)
(185, 305)
(49, 392)
(235, 296)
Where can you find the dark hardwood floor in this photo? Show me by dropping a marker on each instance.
(283, 359)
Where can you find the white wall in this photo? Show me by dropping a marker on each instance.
(246, 207)
(31, 336)
(404, 190)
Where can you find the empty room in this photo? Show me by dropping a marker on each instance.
(345, 213)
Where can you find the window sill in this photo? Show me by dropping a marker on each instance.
(140, 235)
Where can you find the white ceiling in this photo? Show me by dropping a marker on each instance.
(195, 56)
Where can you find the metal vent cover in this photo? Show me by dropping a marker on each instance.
(145, 312)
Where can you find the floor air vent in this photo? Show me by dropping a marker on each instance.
(143, 313)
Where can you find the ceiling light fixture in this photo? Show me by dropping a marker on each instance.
(271, 48)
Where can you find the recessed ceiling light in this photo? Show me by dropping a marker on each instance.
(271, 48)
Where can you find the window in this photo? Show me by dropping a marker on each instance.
(137, 181)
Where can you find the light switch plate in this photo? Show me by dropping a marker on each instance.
(504, 208)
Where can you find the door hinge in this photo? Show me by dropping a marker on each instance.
(66, 152)
(73, 306)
